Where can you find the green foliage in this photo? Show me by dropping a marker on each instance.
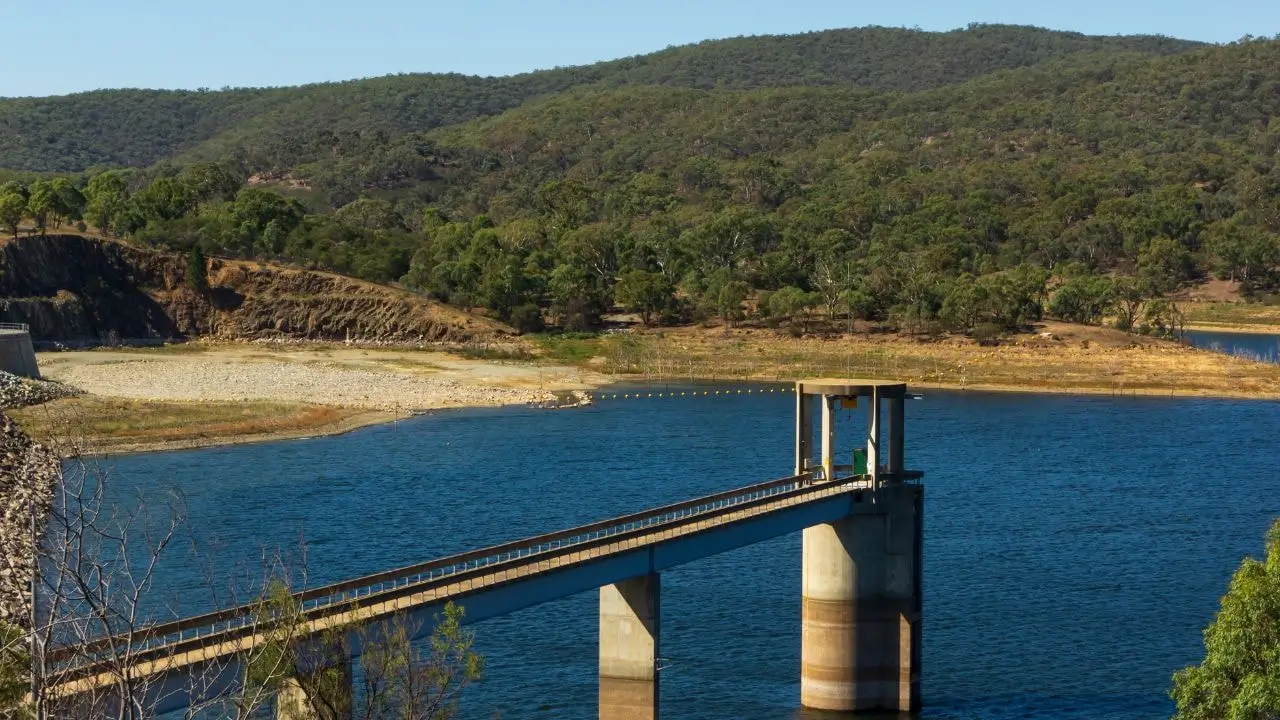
(15, 669)
(210, 182)
(107, 197)
(68, 203)
(725, 294)
(399, 678)
(1165, 264)
(13, 206)
(792, 303)
(197, 270)
(1244, 250)
(356, 121)
(647, 293)
(526, 318)
(281, 616)
(569, 347)
(933, 196)
(42, 203)
(1083, 299)
(1239, 678)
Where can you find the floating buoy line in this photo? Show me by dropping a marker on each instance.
(666, 394)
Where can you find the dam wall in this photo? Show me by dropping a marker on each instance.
(17, 355)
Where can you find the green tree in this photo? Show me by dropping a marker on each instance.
(70, 202)
(964, 304)
(210, 182)
(575, 298)
(42, 203)
(724, 296)
(1082, 299)
(1130, 297)
(197, 270)
(526, 318)
(13, 207)
(166, 198)
(647, 293)
(793, 303)
(1244, 251)
(858, 303)
(1239, 678)
(1163, 318)
(369, 214)
(1165, 264)
(107, 196)
(566, 203)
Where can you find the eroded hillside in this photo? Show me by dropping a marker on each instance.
(78, 290)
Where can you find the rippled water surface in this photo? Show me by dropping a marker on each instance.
(1253, 346)
(1075, 546)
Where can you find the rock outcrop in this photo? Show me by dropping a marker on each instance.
(77, 290)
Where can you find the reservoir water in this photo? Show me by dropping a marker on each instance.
(1075, 547)
(1252, 346)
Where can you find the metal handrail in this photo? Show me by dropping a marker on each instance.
(779, 490)
(224, 623)
(16, 326)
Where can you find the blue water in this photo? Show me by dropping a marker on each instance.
(1075, 546)
(1253, 346)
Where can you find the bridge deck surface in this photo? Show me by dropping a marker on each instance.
(184, 654)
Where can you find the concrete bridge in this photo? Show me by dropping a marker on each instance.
(861, 578)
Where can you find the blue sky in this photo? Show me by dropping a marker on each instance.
(90, 44)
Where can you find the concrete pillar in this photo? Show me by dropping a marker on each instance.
(897, 432)
(630, 618)
(874, 454)
(860, 610)
(291, 702)
(334, 686)
(829, 437)
(804, 430)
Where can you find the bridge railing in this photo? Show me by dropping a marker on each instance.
(21, 327)
(228, 622)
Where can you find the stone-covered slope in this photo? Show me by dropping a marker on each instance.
(28, 473)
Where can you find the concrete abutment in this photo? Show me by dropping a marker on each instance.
(17, 355)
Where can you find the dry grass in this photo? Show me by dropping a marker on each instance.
(1233, 316)
(1068, 364)
(115, 424)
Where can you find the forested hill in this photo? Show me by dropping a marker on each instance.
(1088, 185)
(285, 127)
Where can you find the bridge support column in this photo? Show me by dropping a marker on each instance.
(630, 617)
(860, 616)
(331, 683)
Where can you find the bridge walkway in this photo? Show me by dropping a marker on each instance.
(187, 644)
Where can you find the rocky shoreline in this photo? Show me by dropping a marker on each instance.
(16, 392)
(29, 472)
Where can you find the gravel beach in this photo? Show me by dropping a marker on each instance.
(366, 379)
(196, 380)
